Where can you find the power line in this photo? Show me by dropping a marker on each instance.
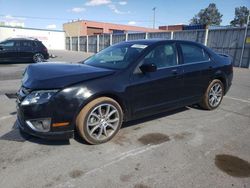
(68, 19)
(33, 17)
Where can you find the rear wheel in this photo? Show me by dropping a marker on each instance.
(99, 120)
(38, 57)
(213, 95)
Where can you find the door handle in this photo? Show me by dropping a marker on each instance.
(174, 72)
(210, 68)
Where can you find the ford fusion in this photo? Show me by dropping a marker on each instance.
(126, 81)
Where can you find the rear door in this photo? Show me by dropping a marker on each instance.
(26, 50)
(8, 51)
(157, 91)
(197, 67)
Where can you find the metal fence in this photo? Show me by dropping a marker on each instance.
(104, 41)
(228, 41)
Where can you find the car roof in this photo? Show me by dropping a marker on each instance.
(28, 38)
(155, 41)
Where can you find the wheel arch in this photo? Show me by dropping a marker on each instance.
(223, 79)
(113, 96)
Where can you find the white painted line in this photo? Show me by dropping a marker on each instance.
(241, 100)
(5, 117)
(122, 156)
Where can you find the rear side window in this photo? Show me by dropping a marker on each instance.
(192, 53)
(26, 43)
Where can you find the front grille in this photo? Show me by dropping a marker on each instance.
(22, 93)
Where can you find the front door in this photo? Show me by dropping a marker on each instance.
(8, 51)
(153, 92)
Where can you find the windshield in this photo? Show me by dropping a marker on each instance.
(117, 56)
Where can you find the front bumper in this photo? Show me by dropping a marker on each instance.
(46, 55)
(60, 135)
(62, 108)
(229, 82)
(36, 111)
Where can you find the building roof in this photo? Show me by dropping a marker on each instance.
(22, 38)
(30, 28)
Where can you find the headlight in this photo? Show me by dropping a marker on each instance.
(38, 97)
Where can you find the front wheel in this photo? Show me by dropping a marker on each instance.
(213, 95)
(99, 120)
(38, 57)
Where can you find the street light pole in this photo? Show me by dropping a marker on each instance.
(154, 17)
(244, 41)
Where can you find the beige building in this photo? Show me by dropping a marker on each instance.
(52, 39)
(84, 27)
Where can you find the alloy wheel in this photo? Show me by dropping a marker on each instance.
(215, 95)
(103, 121)
(38, 58)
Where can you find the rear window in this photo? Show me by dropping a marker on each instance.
(192, 53)
(39, 44)
(35, 44)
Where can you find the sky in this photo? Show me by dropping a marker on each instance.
(51, 14)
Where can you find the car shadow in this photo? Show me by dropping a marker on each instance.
(197, 107)
(20, 62)
(14, 63)
(139, 121)
(16, 135)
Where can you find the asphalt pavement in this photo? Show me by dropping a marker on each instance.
(187, 147)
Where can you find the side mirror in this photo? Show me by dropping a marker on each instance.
(148, 68)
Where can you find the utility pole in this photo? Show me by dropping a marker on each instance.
(154, 17)
(244, 41)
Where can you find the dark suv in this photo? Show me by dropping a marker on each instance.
(23, 50)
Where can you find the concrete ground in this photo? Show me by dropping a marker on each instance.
(188, 147)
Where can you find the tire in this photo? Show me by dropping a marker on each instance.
(38, 57)
(213, 95)
(99, 121)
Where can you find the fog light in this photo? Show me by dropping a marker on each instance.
(39, 125)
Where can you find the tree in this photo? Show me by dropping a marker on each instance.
(240, 18)
(208, 16)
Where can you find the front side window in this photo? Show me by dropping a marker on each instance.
(162, 56)
(117, 56)
(192, 53)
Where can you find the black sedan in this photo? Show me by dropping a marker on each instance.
(23, 50)
(123, 82)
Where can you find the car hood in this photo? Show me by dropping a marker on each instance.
(59, 75)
